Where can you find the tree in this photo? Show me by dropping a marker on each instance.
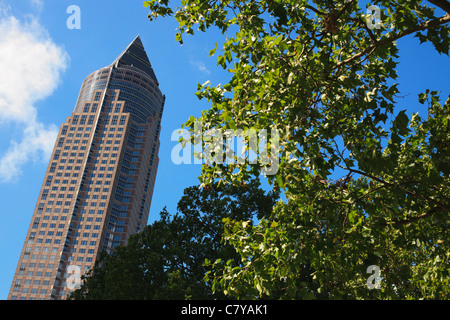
(360, 190)
(166, 260)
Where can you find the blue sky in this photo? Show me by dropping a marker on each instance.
(43, 64)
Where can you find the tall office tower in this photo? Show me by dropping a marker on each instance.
(99, 183)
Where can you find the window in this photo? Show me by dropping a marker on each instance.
(53, 167)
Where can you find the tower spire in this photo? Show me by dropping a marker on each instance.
(135, 55)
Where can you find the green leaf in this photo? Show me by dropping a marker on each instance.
(290, 78)
(213, 51)
(179, 38)
(401, 123)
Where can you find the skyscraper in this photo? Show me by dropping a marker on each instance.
(99, 182)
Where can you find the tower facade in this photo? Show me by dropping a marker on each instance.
(99, 182)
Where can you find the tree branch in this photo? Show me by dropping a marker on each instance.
(414, 219)
(423, 26)
(443, 4)
(412, 193)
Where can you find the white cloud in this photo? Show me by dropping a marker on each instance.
(200, 65)
(39, 4)
(30, 68)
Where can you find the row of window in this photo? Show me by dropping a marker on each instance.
(103, 141)
(27, 256)
(94, 204)
(85, 235)
(75, 148)
(137, 94)
(67, 174)
(60, 195)
(78, 135)
(88, 226)
(31, 290)
(65, 128)
(36, 225)
(56, 210)
(72, 160)
(61, 168)
(76, 141)
(141, 82)
(47, 217)
(37, 273)
(44, 249)
(35, 282)
(83, 119)
(99, 182)
(79, 259)
(107, 148)
(95, 196)
(84, 242)
(47, 241)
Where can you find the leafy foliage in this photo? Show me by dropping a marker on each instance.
(360, 190)
(166, 260)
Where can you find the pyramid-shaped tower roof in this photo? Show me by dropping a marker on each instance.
(135, 55)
